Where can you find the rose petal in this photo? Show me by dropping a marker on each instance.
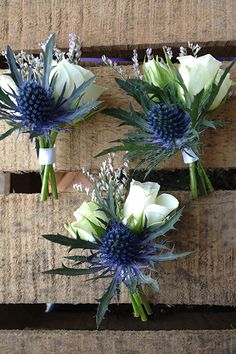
(140, 195)
(92, 93)
(168, 201)
(155, 213)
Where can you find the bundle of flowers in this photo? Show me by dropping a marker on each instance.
(119, 235)
(174, 100)
(45, 94)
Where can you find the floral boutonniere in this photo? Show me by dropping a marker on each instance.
(175, 101)
(122, 228)
(45, 94)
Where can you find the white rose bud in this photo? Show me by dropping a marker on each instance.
(74, 76)
(143, 203)
(87, 215)
(200, 73)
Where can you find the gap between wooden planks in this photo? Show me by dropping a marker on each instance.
(117, 342)
(206, 277)
(76, 148)
(114, 23)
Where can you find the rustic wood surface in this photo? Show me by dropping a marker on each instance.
(205, 277)
(117, 342)
(76, 149)
(67, 180)
(110, 23)
(5, 183)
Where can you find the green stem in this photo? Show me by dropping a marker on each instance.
(44, 190)
(193, 180)
(144, 300)
(201, 181)
(208, 183)
(135, 307)
(53, 183)
(139, 306)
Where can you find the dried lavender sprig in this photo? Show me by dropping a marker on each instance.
(168, 51)
(28, 61)
(118, 69)
(74, 53)
(149, 54)
(136, 69)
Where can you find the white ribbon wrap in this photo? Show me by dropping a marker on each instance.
(189, 155)
(47, 156)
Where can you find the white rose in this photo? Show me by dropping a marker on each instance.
(200, 73)
(87, 215)
(7, 83)
(143, 203)
(74, 76)
(224, 89)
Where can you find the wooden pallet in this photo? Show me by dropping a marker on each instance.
(118, 342)
(208, 277)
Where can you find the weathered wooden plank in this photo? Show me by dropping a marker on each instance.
(77, 148)
(4, 183)
(67, 180)
(117, 342)
(206, 277)
(116, 22)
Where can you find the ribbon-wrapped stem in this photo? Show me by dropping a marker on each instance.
(46, 160)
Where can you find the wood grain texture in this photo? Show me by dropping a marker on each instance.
(25, 23)
(5, 183)
(76, 148)
(208, 276)
(117, 342)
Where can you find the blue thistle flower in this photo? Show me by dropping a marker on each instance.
(122, 255)
(35, 104)
(169, 125)
(32, 108)
(121, 250)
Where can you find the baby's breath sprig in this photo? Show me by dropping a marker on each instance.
(118, 69)
(108, 176)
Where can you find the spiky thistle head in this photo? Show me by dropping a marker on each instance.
(169, 125)
(35, 104)
(31, 104)
(120, 247)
